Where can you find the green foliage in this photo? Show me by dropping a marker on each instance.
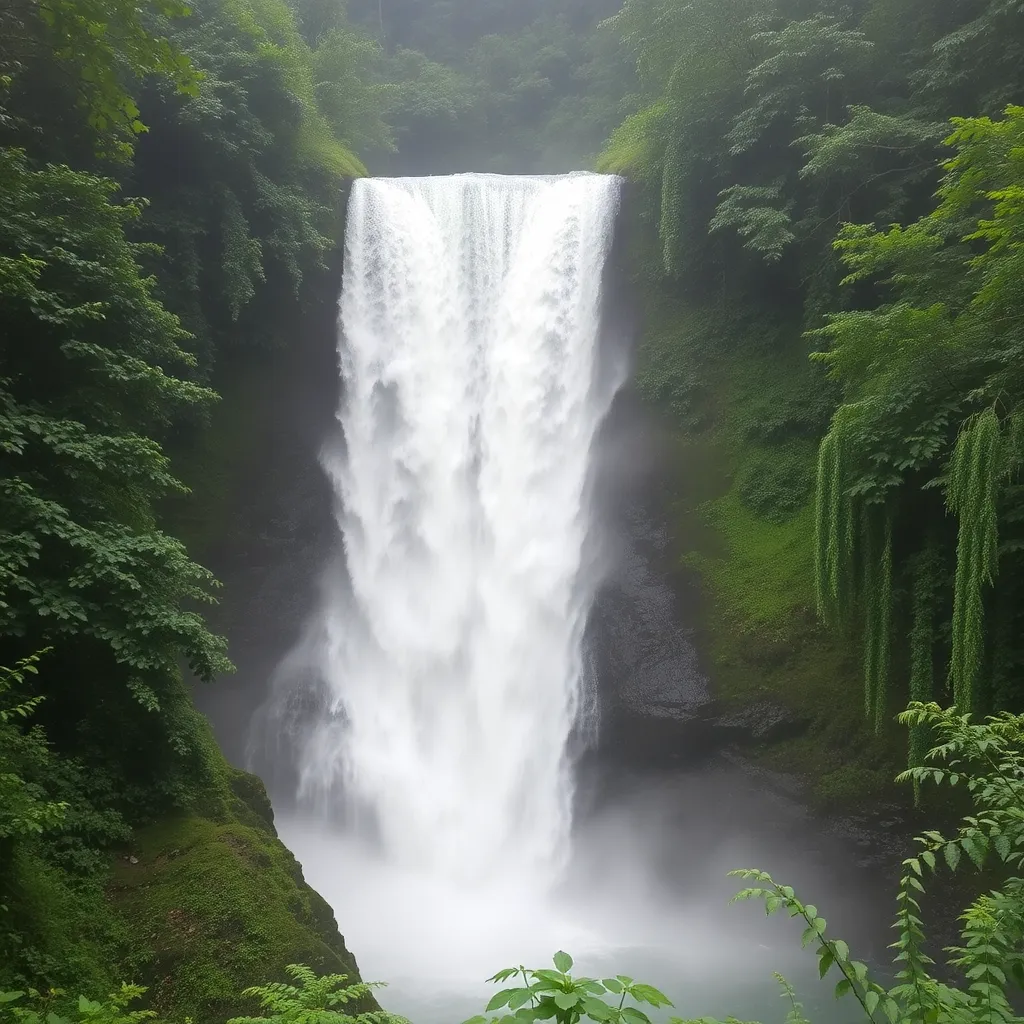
(53, 831)
(250, 209)
(876, 558)
(804, 79)
(776, 482)
(923, 377)
(24, 809)
(315, 999)
(748, 209)
(557, 995)
(35, 1008)
(97, 45)
(786, 160)
(927, 580)
(974, 471)
(239, 131)
(80, 556)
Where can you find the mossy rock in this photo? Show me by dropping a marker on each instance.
(214, 902)
(851, 786)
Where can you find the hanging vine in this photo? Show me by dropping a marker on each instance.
(972, 492)
(876, 555)
(927, 576)
(833, 522)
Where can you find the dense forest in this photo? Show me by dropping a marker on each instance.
(825, 221)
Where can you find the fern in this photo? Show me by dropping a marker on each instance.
(972, 492)
(987, 758)
(315, 1000)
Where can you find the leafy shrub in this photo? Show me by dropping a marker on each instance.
(33, 1007)
(775, 483)
(556, 995)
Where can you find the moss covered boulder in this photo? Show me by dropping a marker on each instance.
(214, 902)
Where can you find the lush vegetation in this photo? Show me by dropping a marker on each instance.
(826, 224)
(828, 240)
(170, 180)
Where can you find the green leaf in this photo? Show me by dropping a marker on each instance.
(825, 962)
(952, 855)
(563, 962)
(635, 1015)
(649, 994)
(504, 975)
(870, 1000)
(553, 977)
(596, 1009)
(518, 997)
(612, 984)
(499, 1000)
(566, 1000)
(843, 987)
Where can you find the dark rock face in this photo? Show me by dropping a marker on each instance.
(279, 529)
(657, 707)
(655, 701)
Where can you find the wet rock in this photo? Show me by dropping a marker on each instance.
(763, 722)
(656, 701)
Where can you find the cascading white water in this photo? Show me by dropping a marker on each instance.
(471, 398)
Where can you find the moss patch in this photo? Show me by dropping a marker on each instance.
(215, 902)
(748, 407)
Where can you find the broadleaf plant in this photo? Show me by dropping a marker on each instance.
(557, 995)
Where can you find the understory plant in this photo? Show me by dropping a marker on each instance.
(557, 995)
(312, 999)
(316, 999)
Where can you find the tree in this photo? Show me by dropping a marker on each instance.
(92, 47)
(85, 387)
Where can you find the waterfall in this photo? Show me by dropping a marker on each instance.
(451, 657)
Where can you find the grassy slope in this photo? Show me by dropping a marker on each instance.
(212, 902)
(747, 406)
